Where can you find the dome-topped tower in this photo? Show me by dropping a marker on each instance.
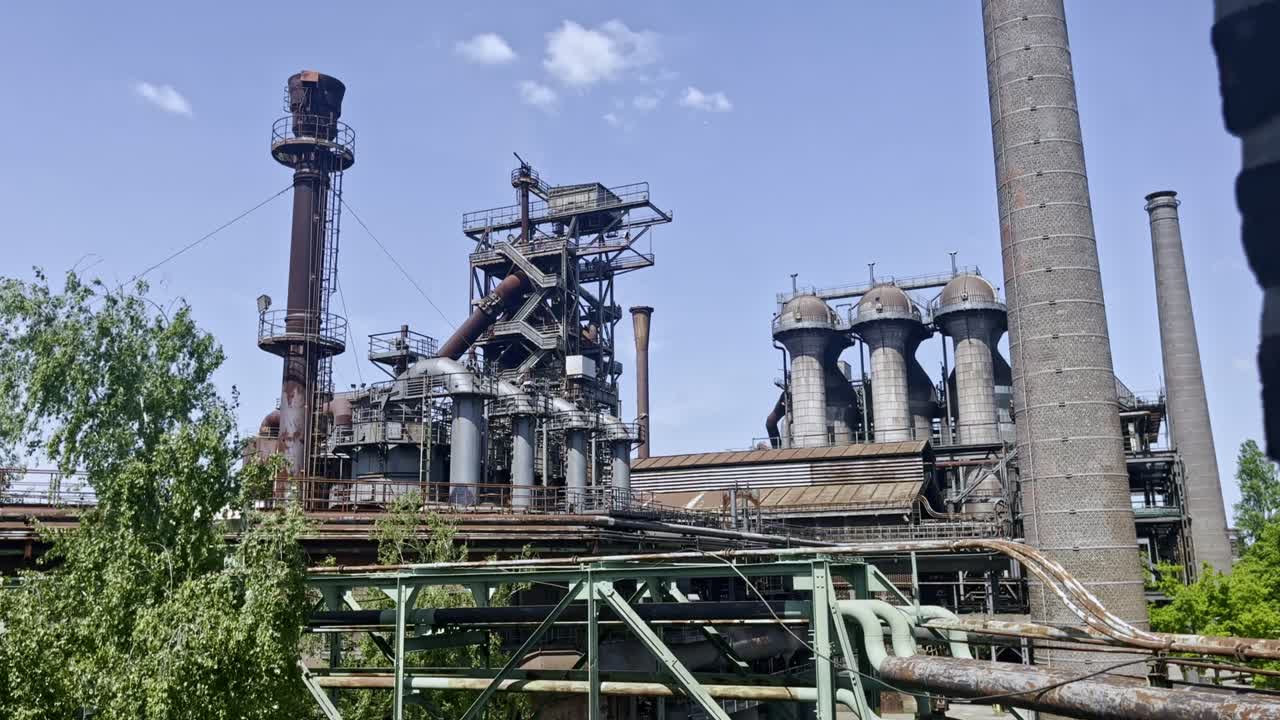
(970, 313)
(807, 326)
(889, 323)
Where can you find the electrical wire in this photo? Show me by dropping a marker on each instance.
(395, 262)
(355, 357)
(208, 235)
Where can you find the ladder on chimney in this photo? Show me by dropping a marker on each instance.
(318, 442)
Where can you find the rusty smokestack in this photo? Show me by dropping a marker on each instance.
(640, 319)
(318, 147)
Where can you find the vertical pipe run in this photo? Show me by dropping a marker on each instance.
(1192, 431)
(1075, 490)
(641, 317)
(464, 449)
(522, 462)
(620, 459)
(575, 466)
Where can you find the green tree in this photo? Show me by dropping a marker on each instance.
(1259, 492)
(1245, 603)
(143, 611)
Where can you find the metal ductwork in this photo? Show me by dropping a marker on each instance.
(641, 318)
(509, 292)
(970, 314)
(806, 326)
(888, 322)
(1075, 490)
(1191, 430)
(839, 392)
(469, 392)
(771, 423)
(922, 397)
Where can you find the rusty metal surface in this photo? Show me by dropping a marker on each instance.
(1062, 693)
(641, 317)
(848, 498)
(507, 293)
(909, 447)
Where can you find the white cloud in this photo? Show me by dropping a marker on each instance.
(612, 119)
(538, 95)
(581, 57)
(486, 49)
(164, 97)
(646, 102)
(708, 102)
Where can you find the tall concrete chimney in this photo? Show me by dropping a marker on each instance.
(641, 316)
(1075, 486)
(1190, 429)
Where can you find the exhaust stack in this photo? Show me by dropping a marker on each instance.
(641, 316)
(1190, 429)
(1075, 485)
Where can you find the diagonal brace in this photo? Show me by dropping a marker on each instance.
(659, 650)
(477, 707)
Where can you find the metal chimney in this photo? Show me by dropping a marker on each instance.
(318, 148)
(1075, 485)
(1190, 429)
(641, 316)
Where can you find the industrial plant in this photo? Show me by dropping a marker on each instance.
(1006, 506)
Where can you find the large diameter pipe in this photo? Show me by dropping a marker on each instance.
(464, 449)
(1192, 431)
(575, 465)
(775, 417)
(508, 292)
(620, 464)
(522, 462)
(971, 331)
(1075, 485)
(641, 318)
(808, 411)
(1023, 686)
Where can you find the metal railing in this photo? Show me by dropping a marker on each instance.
(542, 209)
(937, 436)
(908, 282)
(334, 135)
(299, 325)
(45, 488)
(407, 342)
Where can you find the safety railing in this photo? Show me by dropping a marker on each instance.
(408, 342)
(277, 326)
(376, 494)
(45, 488)
(601, 199)
(323, 131)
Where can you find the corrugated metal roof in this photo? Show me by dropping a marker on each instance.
(906, 447)
(856, 498)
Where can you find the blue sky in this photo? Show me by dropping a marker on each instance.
(807, 138)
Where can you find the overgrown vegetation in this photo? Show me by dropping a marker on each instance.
(1245, 602)
(142, 612)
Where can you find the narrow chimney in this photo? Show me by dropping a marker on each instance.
(1190, 430)
(640, 318)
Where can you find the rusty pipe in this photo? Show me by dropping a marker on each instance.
(508, 292)
(1063, 693)
(641, 319)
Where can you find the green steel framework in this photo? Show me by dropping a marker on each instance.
(841, 674)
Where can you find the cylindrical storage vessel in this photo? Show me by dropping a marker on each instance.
(1192, 431)
(888, 323)
(1075, 485)
(806, 326)
(970, 314)
(464, 449)
(522, 442)
(575, 467)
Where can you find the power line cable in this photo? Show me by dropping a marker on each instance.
(395, 262)
(208, 235)
(355, 358)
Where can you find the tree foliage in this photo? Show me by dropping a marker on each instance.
(1259, 492)
(143, 611)
(1245, 603)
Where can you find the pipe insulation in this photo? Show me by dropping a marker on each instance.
(1191, 428)
(1075, 485)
